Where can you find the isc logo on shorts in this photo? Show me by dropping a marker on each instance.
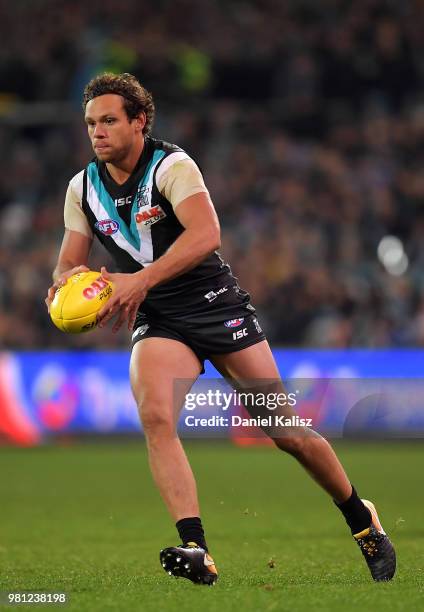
(212, 295)
(240, 333)
(148, 215)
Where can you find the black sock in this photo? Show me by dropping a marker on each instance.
(357, 515)
(191, 530)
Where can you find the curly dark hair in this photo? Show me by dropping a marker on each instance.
(136, 98)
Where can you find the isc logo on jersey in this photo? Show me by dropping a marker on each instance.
(107, 226)
(123, 201)
(148, 215)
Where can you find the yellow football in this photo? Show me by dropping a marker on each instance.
(76, 304)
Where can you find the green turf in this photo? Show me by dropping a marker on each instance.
(87, 520)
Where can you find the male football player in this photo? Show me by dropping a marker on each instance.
(147, 203)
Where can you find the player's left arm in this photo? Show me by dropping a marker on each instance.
(200, 238)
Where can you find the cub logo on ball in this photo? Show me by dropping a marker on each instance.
(76, 304)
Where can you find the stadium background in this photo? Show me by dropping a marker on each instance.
(307, 119)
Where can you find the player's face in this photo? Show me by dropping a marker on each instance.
(111, 133)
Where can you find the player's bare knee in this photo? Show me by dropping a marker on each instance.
(294, 445)
(156, 421)
(300, 443)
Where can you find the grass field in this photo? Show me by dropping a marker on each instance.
(87, 520)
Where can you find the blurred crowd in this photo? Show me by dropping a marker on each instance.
(307, 119)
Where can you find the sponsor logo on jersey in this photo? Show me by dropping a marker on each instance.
(212, 295)
(240, 333)
(123, 201)
(148, 215)
(233, 322)
(107, 226)
(143, 199)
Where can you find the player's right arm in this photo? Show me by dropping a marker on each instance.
(73, 254)
(77, 241)
(72, 258)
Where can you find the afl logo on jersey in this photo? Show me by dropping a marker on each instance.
(233, 322)
(107, 226)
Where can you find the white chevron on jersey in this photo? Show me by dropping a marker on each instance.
(146, 242)
(101, 213)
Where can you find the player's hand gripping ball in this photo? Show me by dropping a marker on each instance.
(76, 304)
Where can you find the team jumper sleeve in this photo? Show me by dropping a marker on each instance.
(180, 181)
(75, 218)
